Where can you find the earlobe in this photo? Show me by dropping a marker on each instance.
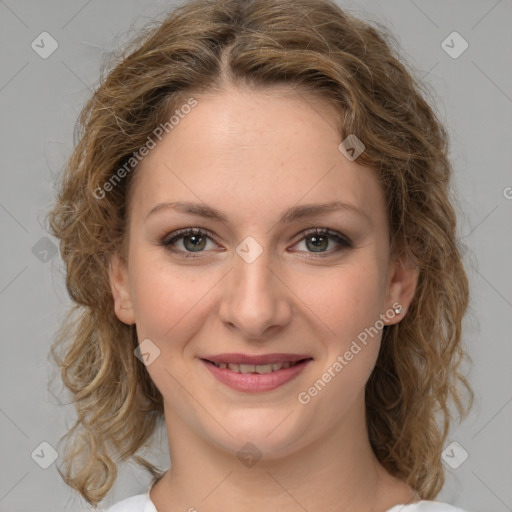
(119, 285)
(402, 286)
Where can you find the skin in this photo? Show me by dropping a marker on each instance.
(253, 154)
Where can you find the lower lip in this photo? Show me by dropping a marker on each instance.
(255, 382)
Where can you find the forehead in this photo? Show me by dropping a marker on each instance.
(247, 150)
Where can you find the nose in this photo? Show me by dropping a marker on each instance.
(255, 299)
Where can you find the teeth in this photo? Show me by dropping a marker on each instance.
(255, 368)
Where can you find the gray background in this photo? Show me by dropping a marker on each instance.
(39, 101)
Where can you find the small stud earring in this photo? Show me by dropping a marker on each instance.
(398, 309)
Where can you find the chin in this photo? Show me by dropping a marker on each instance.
(270, 434)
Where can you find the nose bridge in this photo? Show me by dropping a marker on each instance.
(254, 300)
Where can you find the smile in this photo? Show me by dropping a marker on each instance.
(256, 377)
(255, 368)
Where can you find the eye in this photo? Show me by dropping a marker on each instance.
(193, 240)
(317, 241)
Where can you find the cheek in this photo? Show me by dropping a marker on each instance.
(169, 299)
(350, 303)
(170, 308)
(347, 299)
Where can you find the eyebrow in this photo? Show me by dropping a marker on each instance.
(290, 215)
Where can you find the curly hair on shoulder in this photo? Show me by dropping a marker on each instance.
(318, 49)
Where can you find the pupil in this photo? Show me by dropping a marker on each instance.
(317, 242)
(196, 245)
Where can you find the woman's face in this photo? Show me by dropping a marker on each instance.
(259, 281)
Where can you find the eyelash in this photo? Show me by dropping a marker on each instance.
(345, 242)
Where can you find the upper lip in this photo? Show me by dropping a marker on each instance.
(256, 359)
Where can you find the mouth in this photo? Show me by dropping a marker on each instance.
(256, 373)
(256, 368)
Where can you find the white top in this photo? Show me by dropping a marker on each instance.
(142, 503)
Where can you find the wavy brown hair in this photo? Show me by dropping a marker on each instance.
(319, 50)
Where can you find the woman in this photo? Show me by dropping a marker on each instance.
(259, 239)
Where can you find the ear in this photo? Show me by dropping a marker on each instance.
(119, 284)
(402, 282)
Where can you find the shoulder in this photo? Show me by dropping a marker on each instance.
(139, 503)
(426, 506)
